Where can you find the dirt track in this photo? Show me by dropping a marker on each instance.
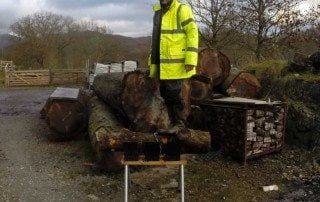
(34, 169)
(31, 167)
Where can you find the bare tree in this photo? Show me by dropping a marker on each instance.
(314, 25)
(218, 20)
(41, 33)
(267, 21)
(47, 40)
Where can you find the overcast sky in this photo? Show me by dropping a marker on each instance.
(124, 17)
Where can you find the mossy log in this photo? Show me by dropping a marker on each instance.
(108, 87)
(107, 134)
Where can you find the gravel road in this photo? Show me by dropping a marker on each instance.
(33, 168)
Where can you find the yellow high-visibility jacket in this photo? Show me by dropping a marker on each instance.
(179, 41)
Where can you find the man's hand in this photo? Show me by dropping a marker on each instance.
(189, 67)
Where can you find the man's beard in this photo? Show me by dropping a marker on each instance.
(165, 6)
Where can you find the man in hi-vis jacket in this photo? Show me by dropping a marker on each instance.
(174, 53)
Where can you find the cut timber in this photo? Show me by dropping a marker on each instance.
(212, 70)
(214, 65)
(246, 128)
(107, 133)
(102, 122)
(240, 84)
(65, 112)
(136, 97)
(143, 104)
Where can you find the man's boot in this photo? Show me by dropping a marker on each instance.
(177, 121)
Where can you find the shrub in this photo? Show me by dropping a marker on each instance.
(268, 69)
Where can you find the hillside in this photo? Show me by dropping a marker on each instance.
(72, 50)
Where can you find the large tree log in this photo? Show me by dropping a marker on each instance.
(245, 85)
(109, 88)
(107, 133)
(240, 84)
(143, 104)
(137, 97)
(65, 112)
(214, 65)
(212, 70)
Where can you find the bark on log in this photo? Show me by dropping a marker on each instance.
(245, 85)
(240, 84)
(107, 134)
(66, 114)
(213, 69)
(108, 87)
(137, 97)
(143, 104)
(214, 65)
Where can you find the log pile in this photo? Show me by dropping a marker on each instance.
(215, 75)
(226, 126)
(108, 134)
(245, 130)
(265, 130)
(129, 108)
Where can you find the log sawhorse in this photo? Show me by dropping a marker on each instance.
(180, 163)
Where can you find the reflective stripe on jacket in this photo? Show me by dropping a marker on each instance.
(178, 43)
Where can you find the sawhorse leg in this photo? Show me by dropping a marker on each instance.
(126, 182)
(182, 182)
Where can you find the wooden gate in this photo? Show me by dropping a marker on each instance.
(27, 78)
